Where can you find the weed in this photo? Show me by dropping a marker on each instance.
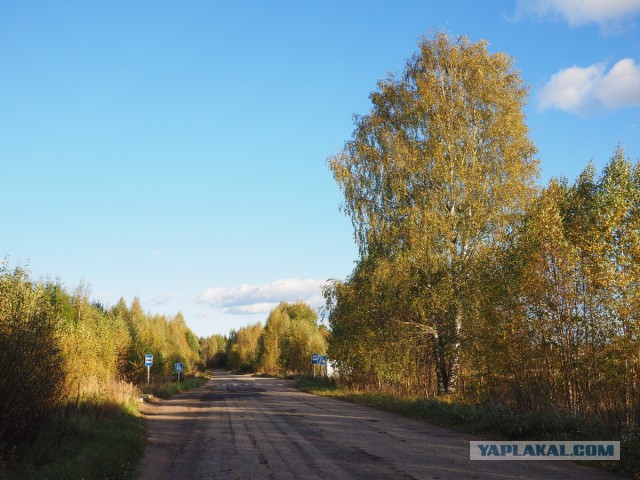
(492, 420)
(96, 441)
(166, 390)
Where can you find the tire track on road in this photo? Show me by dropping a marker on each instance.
(240, 427)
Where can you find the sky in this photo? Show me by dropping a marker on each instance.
(176, 151)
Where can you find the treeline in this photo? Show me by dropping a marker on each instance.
(282, 347)
(472, 282)
(59, 351)
(550, 318)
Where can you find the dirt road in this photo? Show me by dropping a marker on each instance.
(240, 427)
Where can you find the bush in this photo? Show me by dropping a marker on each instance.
(32, 384)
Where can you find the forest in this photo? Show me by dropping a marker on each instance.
(63, 354)
(283, 346)
(474, 283)
(68, 359)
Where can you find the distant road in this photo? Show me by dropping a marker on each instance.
(240, 427)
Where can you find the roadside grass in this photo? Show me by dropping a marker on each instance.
(166, 390)
(492, 420)
(90, 441)
(264, 375)
(95, 439)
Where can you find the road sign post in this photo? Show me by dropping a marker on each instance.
(179, 367)
(148, 361)
(322, 360)
(314, 361)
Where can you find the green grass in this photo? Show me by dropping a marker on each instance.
(91, 441)
(491, 420)
(94, 442)
(166, 390)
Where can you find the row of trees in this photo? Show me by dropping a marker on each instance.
(283, 346)
(59, 350)
(169, 340)
(213, 351)
(471, 281)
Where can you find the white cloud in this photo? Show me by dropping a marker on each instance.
(254, 299)
(571, 88)
(255, 308)
(606, 13)
(582, 90)
(621, 86)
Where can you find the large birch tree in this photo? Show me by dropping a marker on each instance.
(437, 171)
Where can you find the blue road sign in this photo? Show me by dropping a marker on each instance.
(148, 360)
(314, 358)
(179, 367)
(322, 360)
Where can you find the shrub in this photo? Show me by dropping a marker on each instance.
(32, 385)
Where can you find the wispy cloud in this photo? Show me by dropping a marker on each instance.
(583, 90)
(255, 299)
(609, 14)
(252, 309)
(162, 299)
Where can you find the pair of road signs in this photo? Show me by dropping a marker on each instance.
(148, 362)
(318, 359)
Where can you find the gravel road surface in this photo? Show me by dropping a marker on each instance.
(241, 427)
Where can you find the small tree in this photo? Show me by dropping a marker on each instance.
(290, 336)
(33, 383)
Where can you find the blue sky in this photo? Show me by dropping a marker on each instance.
(176, 151)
